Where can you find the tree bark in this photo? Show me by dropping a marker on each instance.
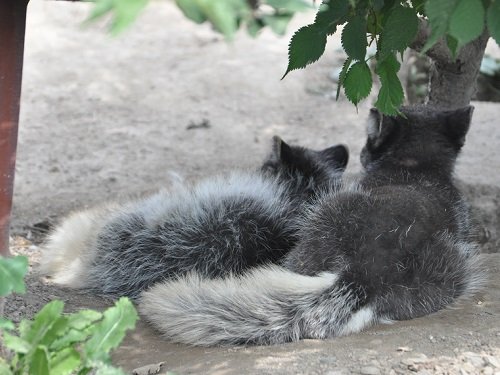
(452, 82)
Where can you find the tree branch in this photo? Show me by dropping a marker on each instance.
(439, 52)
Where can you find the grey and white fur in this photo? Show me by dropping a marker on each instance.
(222, 225)
(396, 246)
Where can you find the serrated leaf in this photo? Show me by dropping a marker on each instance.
(289, 5)
(354, 39)
(39, 364)
(47, 318)
(277, 22)
(330, 14)
(16, 343)
(391, 93)
(306, 46)
(12, 272)
(358, 82)
(65, 362)
(191, 10)
(343, 72)
(111, 329)
(71, 337)
(493, 20)
(6, 325)
(83, 318)
(438, 14)
(467, 21)
(400, 28)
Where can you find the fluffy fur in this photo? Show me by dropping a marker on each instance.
(222, 225)
(395, 247)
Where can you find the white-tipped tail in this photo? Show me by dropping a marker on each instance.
(266, 306)
(71, 247)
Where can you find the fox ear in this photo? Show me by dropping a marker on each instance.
(457, 124)
(379, 128)
(337, 155)
(281, 152)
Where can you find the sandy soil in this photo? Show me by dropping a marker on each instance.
(107, 118)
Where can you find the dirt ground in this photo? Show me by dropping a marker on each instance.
(105, 119)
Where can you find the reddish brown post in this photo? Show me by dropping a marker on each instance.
(12, 27)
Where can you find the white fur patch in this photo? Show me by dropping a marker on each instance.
(359, 320)
(71, 247)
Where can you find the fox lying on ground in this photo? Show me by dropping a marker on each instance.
(220, 226)
(397, 246)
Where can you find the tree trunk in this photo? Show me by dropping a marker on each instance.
(452, 82)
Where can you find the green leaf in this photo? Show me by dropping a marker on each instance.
(125, 13)
(47, 323)
(358, 82)
(12, 272)
(354, 38)
(438, 13)
(254, 26)
(289, 5)
(225, 15)
(307, 46)
(391, 93)
(80, 328)
(6, 325)
(400, 28)
(467, 21)
(277, 22)
(493, 20)
(101, 8)
(343, 72)
(191, 10)
(15, 343)
(83, 318)
(330, 14)
(39, 364)
(65, 362)
(24, 328)
(110, 331)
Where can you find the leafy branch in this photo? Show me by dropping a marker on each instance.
(441, 29)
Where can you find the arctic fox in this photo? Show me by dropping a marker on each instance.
(220, 226)
(395, 247)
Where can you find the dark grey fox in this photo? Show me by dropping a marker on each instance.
(222, 225)
(395, 247)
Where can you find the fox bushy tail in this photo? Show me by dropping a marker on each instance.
(268, 305)
(272, 304)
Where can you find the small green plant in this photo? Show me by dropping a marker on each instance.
(55, 343)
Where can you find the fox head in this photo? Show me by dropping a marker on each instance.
(305, 167)
(420, 138)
